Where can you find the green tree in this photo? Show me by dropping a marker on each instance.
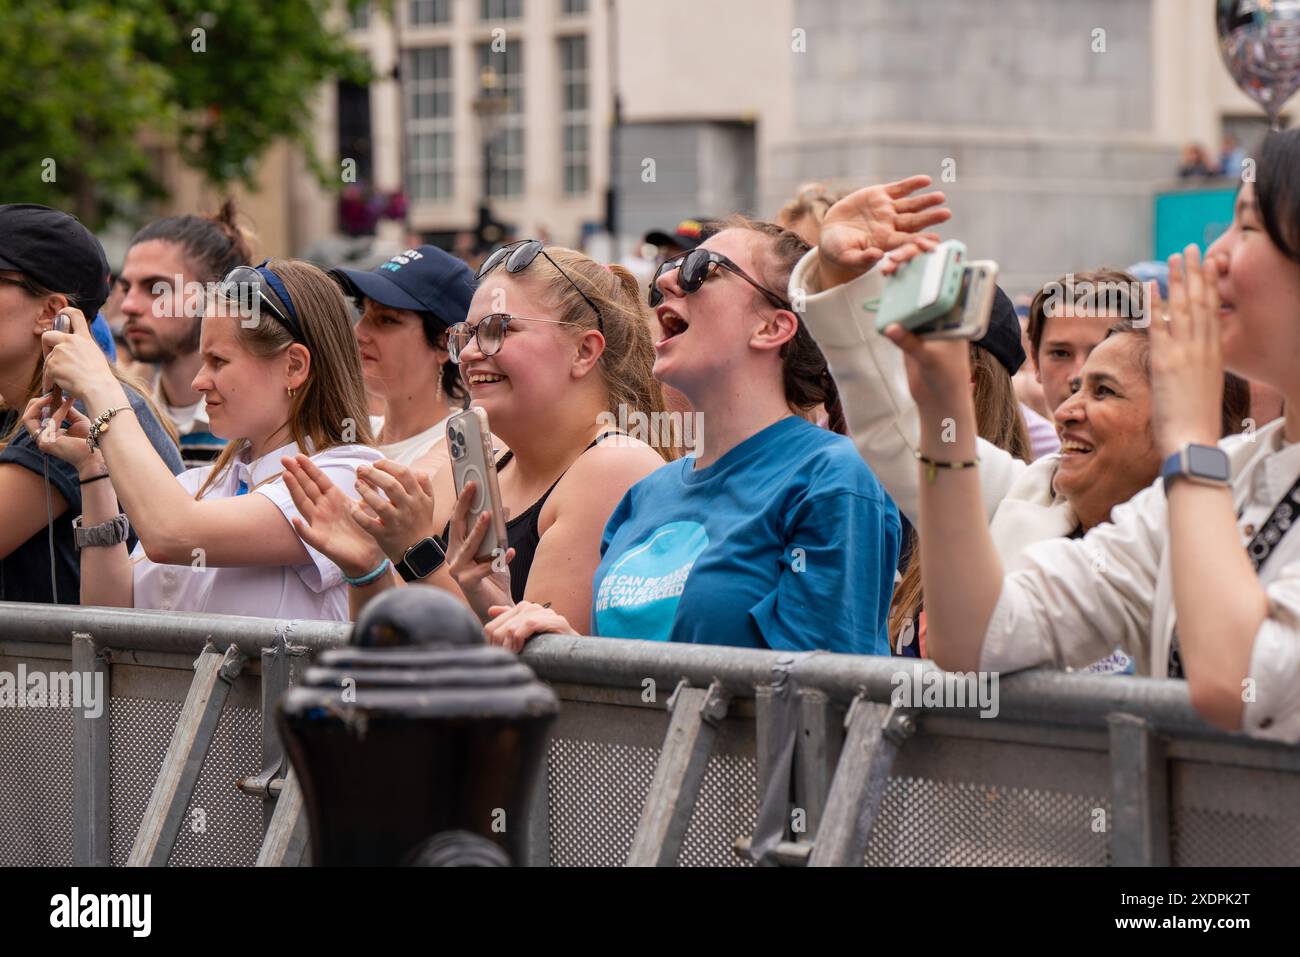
(86, 85)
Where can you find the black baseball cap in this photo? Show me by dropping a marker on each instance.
(55, 250)
(1002, 340)
(425, 280)
(688, 234)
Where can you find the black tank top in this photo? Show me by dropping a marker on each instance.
(522, 533)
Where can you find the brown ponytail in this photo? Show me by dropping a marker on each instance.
(213, 245)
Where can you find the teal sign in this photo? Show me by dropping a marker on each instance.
(1191, 216)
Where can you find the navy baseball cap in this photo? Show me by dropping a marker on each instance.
(56, 251)
(425, 280)
(1003, 337)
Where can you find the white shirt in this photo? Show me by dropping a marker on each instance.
(1072, 599)
(409, 451)
(186, 418)
(1021, 505)
(314, 590)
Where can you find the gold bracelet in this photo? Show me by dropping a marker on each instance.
(932, 466)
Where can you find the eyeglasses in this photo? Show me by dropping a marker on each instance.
(248, 286)
(491, 333)
(693, 269)
(519, 256)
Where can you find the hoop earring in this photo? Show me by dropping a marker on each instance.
(292, 391)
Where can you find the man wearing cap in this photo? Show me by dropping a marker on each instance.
(688, 234)
(407, 305)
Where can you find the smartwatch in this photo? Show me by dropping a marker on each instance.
(422, 559)
(1202, 464)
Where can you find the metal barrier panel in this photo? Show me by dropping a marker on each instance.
(223, 826)
(35, 776)
(1233, 816)
(601, 760)
(964, 801)
(1074, 771)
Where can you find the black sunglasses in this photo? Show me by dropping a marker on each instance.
(244, 282)
(693, 269)
(518, 256)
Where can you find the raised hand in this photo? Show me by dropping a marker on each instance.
(863, 226)
(75, 363)
(1186, 356)
(400, 506)
(328, 524)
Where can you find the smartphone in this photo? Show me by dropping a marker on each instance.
(969, 318)
(924, 288)
(470, 443)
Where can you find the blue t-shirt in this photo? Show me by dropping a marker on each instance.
(788, 541)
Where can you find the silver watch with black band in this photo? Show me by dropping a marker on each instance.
(112, 532)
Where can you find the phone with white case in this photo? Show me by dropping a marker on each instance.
(469, 441)
(969, 318)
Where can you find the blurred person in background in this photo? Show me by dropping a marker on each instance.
(407, 305)
(688, 234)
(1029, 393)
(162, 289)
(1195, 163)
(803, 214)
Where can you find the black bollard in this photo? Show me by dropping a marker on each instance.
(418, 743)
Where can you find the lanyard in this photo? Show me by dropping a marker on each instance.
(1258, 549)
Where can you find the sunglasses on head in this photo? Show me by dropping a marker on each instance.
(694, 267)
(518, 256)
(252, 287)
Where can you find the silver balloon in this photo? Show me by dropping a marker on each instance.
(1260, 43)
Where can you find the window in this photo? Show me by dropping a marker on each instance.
(427, 88)
(570, 7)
(574, 116)
(500, 9)
(430, 11)
(507, 177)
(359, 19)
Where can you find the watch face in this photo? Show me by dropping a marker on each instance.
(1206, 461)
(424, 557)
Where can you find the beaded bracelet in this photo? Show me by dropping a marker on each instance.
(369, 576)
(100, 425)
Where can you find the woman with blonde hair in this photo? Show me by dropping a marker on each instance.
(280, 375)
(554, 345)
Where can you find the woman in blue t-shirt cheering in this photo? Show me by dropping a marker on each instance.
(774, 533)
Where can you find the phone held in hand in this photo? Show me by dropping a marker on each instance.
(969, 318)
(940, 295)
(923, 288)
(469, 442)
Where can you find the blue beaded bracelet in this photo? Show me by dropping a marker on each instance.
(369, 576)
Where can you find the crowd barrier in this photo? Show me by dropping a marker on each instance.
(661, 755)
